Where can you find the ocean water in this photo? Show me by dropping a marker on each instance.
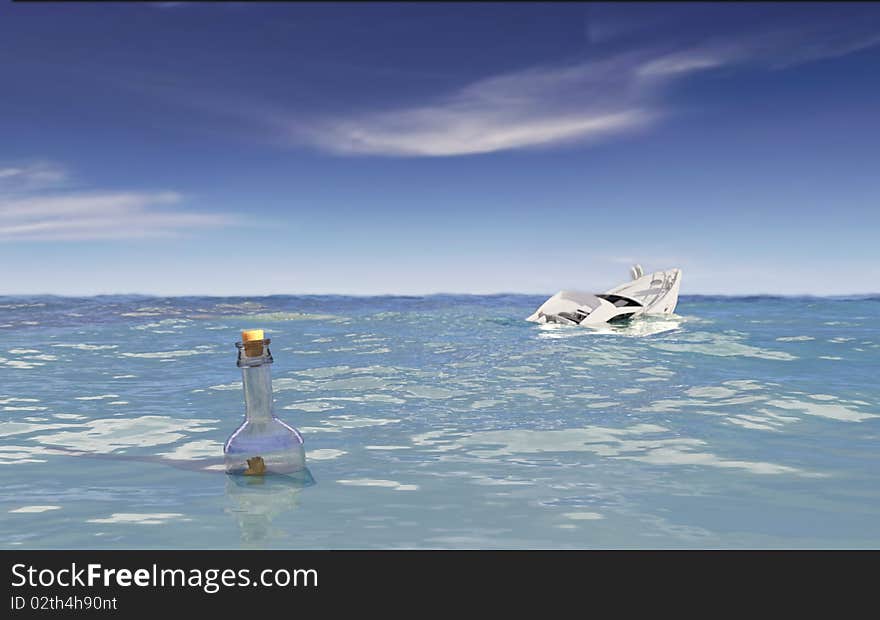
(443, 422)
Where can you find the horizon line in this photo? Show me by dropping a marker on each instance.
(432, 294)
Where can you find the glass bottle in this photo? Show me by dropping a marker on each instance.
(263, 444)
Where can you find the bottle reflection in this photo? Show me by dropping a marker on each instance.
(256, 501)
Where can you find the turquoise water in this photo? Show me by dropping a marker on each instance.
(442, 422)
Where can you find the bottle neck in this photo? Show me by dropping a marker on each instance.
(257, 392)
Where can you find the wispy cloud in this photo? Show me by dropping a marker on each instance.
(532, 108)
(83, 216)
(603, 96)
(31, 176)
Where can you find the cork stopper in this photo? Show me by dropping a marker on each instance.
(252, 339)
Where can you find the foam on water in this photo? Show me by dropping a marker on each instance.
(387, 484)
(155, 518)
(31, 509)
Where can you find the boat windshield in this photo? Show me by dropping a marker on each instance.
(620, 301)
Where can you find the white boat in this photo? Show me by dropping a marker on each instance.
(647, 294)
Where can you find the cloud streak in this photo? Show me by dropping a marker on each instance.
(98, 215)
(532, 108)
(31, 176)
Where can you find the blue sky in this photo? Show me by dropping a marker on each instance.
(236, 149)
